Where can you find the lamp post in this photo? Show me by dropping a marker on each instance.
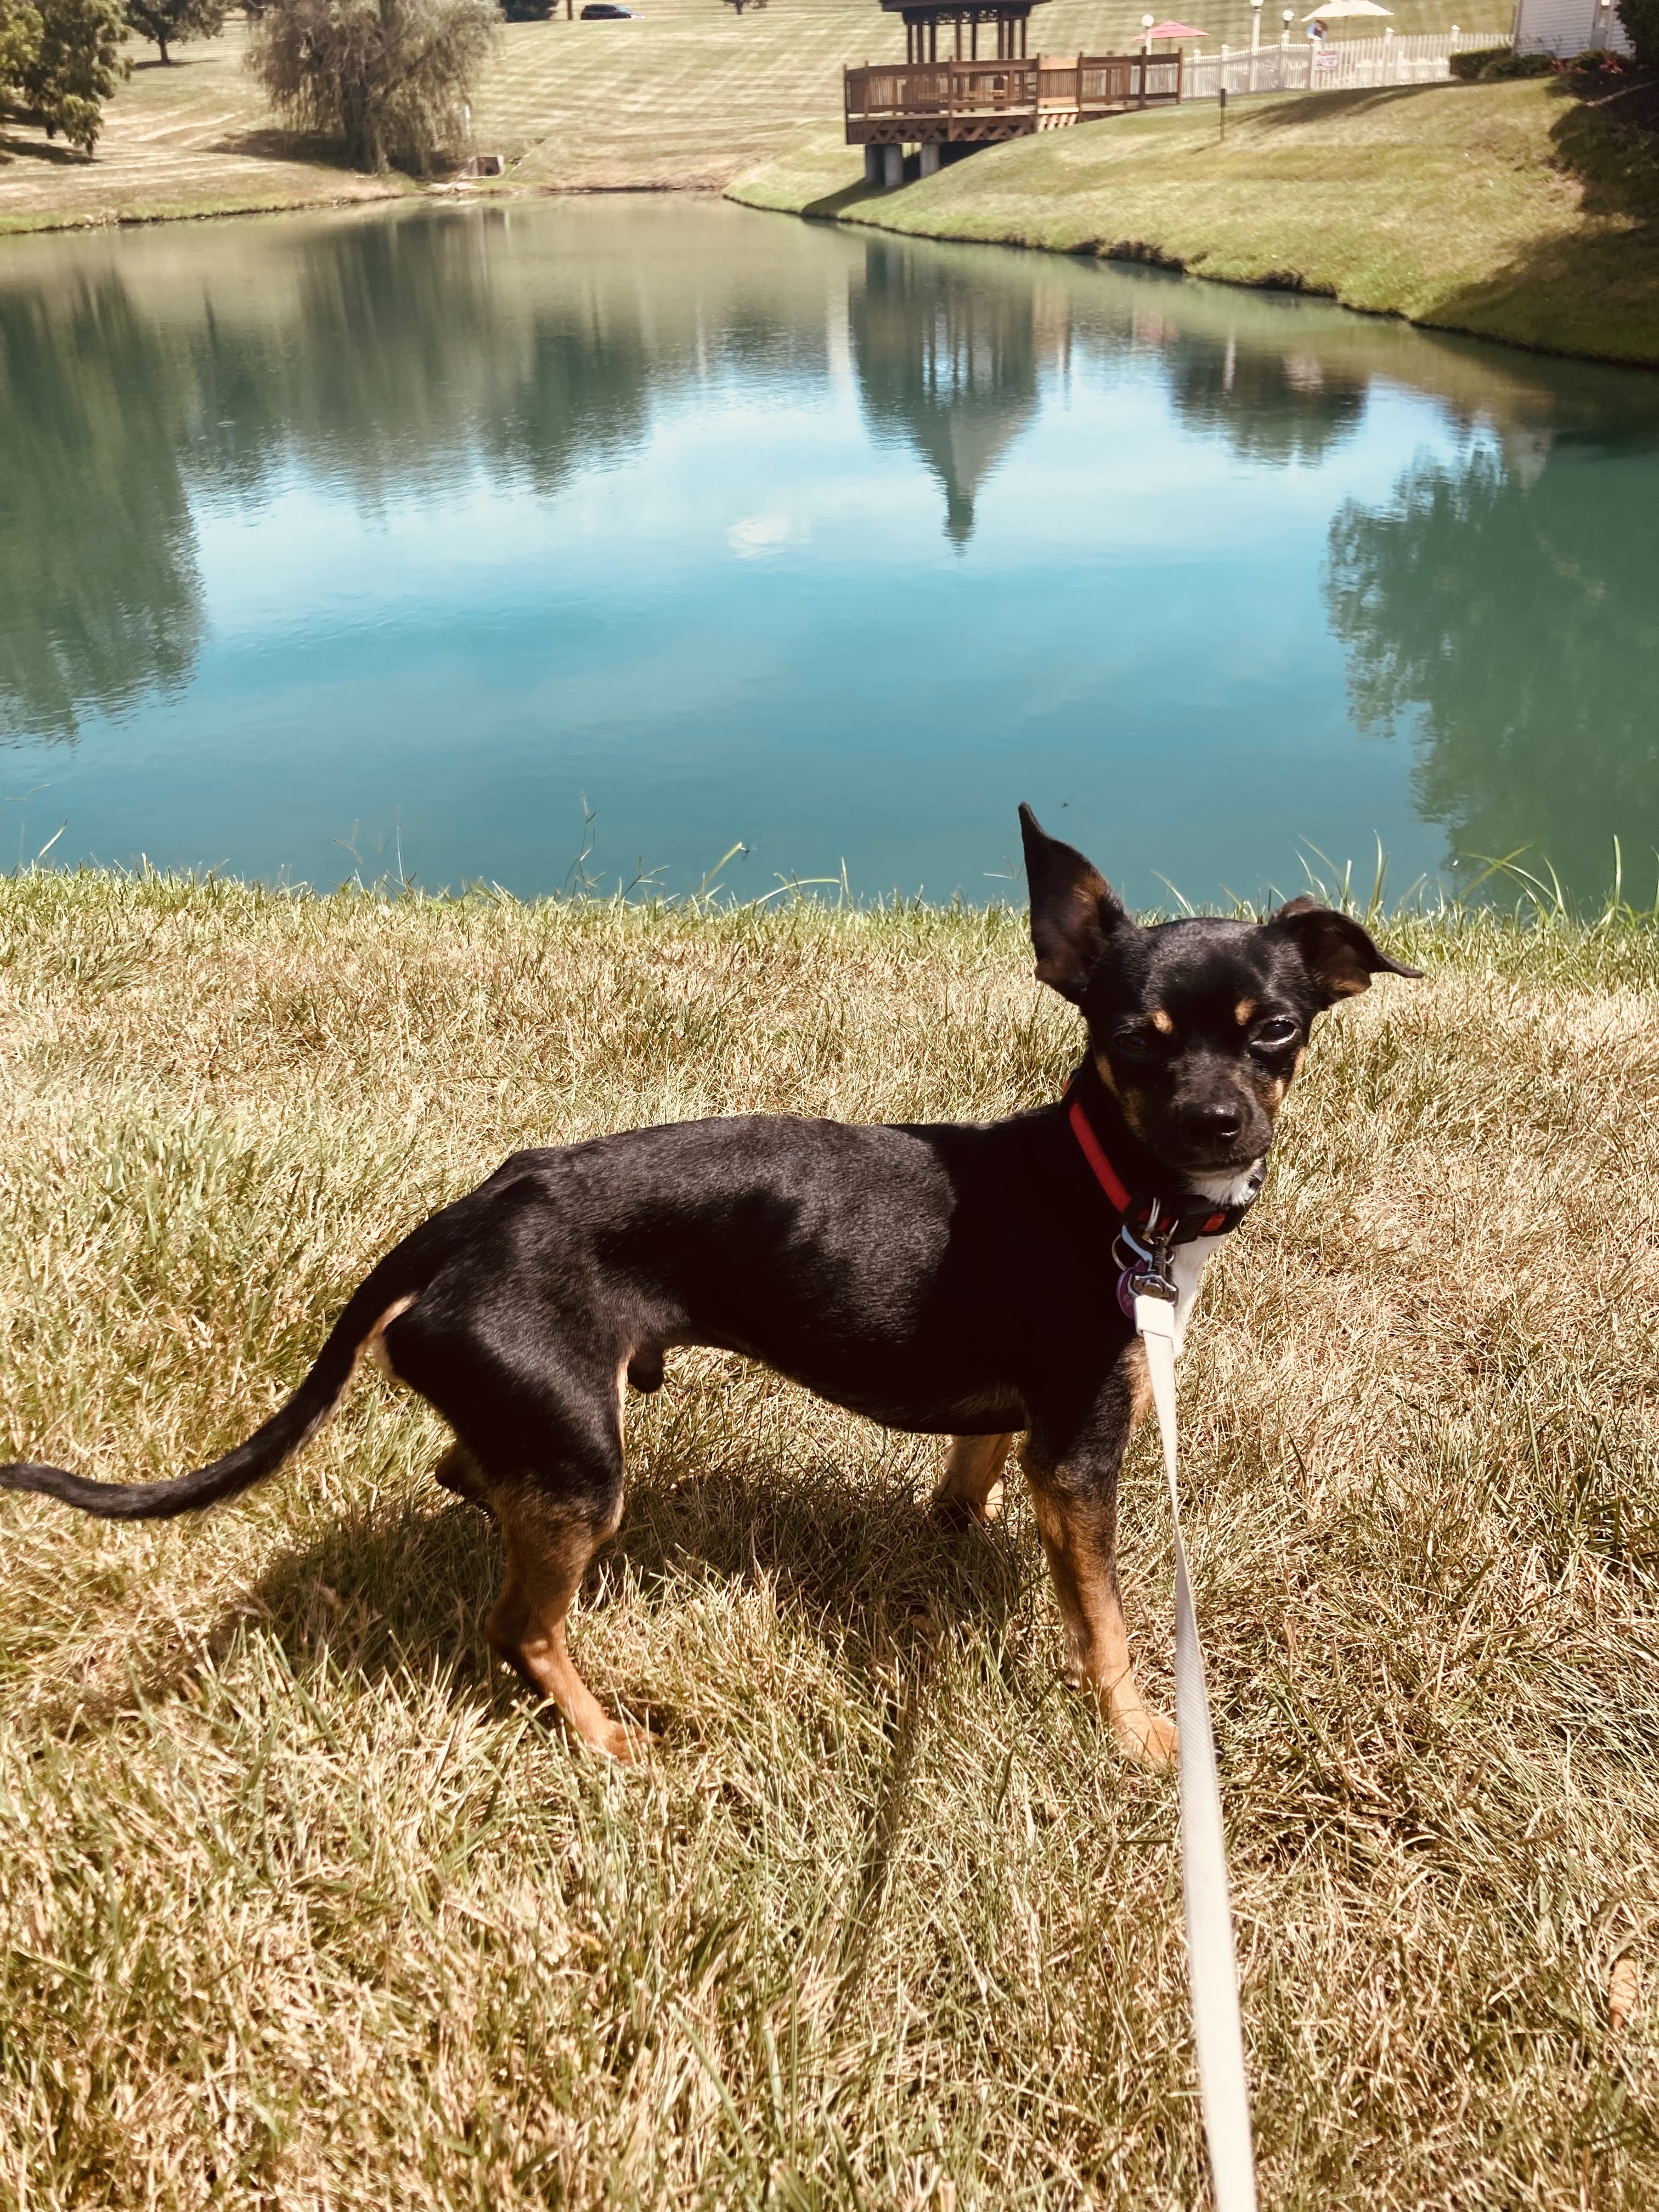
(1146, 34)
(1256, 38)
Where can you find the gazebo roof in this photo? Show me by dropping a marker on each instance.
(947, 10)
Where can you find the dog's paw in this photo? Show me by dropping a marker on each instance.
(952, 1508)
(628, 1742)
(1149, 1739)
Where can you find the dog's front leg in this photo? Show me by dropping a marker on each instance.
(1075, 1502)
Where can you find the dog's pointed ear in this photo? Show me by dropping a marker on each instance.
(1074, 909)
(1339, 956)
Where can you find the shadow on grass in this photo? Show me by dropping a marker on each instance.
(1593, 293)
(1284, 111)
(15, 149)
(867, 1571)
(269, 144)
(834, 203)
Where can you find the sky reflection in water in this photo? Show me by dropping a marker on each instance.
(400, 536)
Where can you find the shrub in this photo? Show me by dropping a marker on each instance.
(389, 77)
(1597, 70)
(1493, 64)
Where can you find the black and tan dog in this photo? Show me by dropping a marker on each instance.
(953, 1279)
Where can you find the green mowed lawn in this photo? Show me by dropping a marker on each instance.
(689, 92)
(1510, 210)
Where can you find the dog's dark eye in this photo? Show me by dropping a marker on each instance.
(1280, 1029)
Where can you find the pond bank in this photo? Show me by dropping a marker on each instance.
(1554, 242)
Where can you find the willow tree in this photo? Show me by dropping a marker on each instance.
(390, 77)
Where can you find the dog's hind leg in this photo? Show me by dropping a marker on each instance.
(971, 1488)
(460, 1474)
(549, 1544)
(539, 1446)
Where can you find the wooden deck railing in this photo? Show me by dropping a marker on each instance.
(1012, 97)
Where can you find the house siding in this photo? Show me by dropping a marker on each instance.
(1567, 27)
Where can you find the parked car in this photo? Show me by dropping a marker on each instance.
(604, 11)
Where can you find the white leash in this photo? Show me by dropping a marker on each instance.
(1211, 1960)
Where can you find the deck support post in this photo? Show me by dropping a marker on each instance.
(927, 160)
(872, 165)
(892, 166)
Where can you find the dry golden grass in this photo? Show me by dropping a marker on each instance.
(300, 1902)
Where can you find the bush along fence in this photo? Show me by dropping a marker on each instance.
(1333, 65)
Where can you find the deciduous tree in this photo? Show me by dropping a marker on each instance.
(390, 77)
(170, 22)
(62, 59)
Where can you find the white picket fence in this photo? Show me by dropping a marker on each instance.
(1332, 65)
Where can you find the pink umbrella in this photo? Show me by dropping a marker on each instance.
(1175, 31)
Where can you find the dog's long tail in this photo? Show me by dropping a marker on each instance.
(384, 1294)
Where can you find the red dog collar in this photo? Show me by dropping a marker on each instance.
(1175, 1220)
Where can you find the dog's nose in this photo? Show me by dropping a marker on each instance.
(1218, 1125)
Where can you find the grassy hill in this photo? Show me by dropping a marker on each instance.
(1506, 209)
(688, 94)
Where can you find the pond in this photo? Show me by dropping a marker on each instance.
(588, 540)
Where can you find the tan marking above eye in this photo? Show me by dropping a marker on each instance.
(1243, 1011)
(1160, 1022)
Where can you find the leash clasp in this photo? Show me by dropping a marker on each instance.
(1146, 1267)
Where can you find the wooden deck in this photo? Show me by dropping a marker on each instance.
(972, 103)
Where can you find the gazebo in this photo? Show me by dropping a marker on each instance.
(923, 18)
(945, 104)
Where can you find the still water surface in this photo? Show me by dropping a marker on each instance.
(407, 537)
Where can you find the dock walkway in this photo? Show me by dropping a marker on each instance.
(978, 103)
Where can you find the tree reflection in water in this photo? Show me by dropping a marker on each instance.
(1502, 607)
(385, 357)
(98, 575)
(1274, 405)
(1497, 610)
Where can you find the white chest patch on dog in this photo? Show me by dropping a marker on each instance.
(1188, 1261)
